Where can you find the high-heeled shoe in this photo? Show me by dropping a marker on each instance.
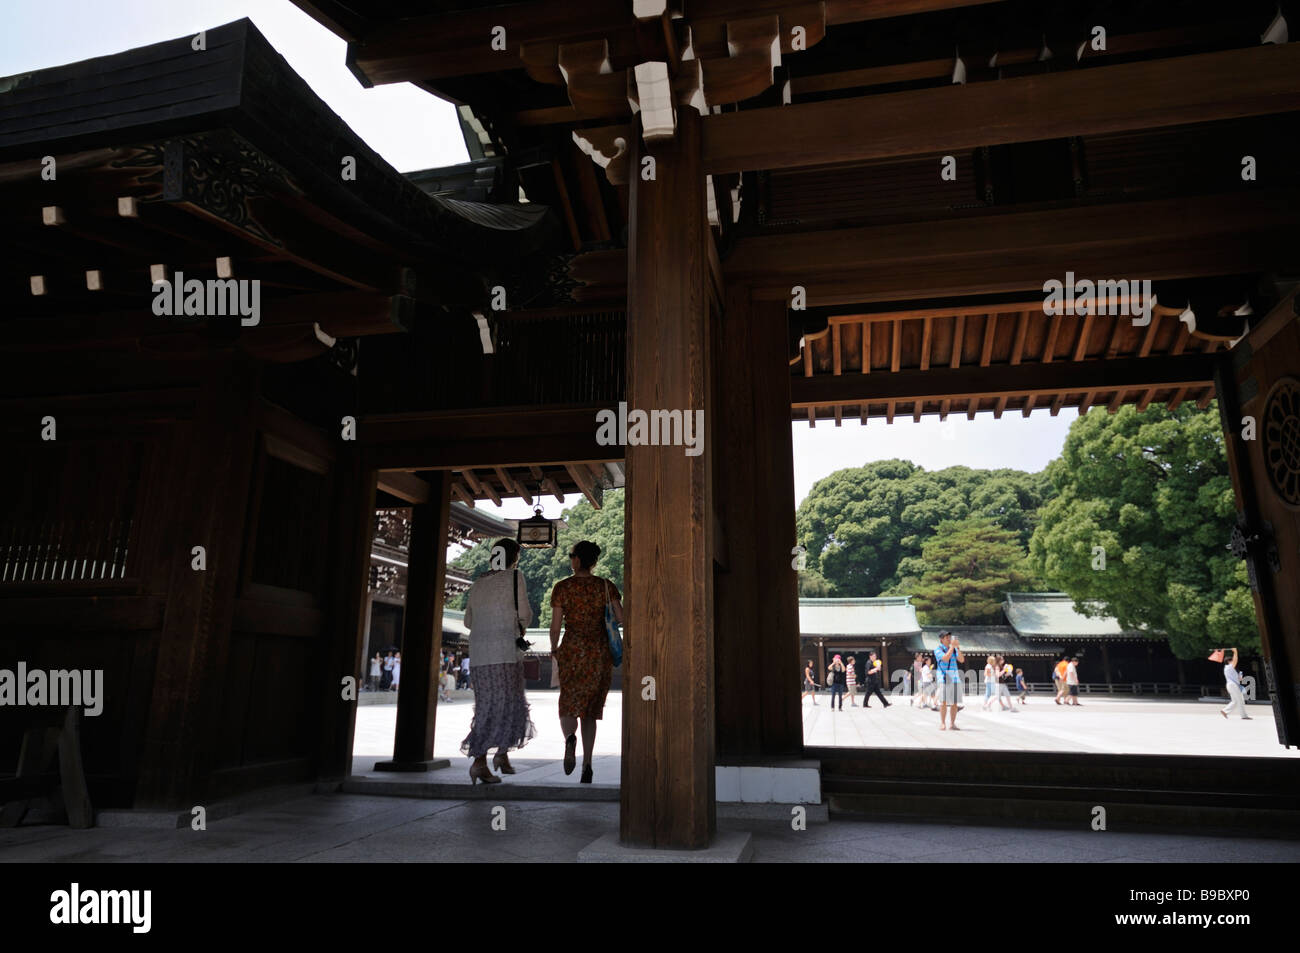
(586, 774)
(502, 763)
(570, 753)
(479, 771)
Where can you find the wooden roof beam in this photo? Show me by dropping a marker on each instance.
(936, 384)
(460, 43)
(509, 484)
(458, 490)
(581, 478)
(550, 486)
(1200, 88)
(1073, 237)
(990, 328)
(404, 486)
(1081, 345)
(481, 488)
(1018, 346)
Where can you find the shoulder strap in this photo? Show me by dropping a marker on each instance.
(515, 583)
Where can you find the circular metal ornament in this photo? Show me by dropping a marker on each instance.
(1281, 439)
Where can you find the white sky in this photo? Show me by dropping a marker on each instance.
(414, 130)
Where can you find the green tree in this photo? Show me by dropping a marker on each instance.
(1152, 490)
(813, 585)
(969, 564)
(543, 568)
(865, 527)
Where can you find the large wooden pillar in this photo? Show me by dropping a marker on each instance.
(756, 645)
(417, 702)
(668, 762)
(349, 610)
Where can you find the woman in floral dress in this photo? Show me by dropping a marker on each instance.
(583, 658)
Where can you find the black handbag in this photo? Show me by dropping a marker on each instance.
(521, 643)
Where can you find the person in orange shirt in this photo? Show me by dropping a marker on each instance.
(1058, 676)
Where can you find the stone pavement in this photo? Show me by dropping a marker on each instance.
(354, 828)
(538, 762)
(1099, 724)
(1111, 725)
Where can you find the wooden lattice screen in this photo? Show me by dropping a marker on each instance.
(68, 513)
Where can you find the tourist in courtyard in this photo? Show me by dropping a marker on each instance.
(809, 683)
(397, 671)
(1072, 681)
(851, 680)
(990, 682)
(918, 680)
(464, 672)
(873, 682)
(1021, 686)
(388, 672)
(947, 656)
(837, 678)
(586, 666)
(496, 614)
(1237, 698)
(376, 672)
(1058, 677)
(1004, 684)
(928, 684)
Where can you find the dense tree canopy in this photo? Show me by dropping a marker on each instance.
(1152, 490)
(865, 528)
(543, 568)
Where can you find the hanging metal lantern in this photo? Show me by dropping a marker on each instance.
(536, 532)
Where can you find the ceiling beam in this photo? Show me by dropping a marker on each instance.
(937, 384)
(1130, 96)
(581, 478)
(442, 45)
(1016, 251)
(404, 486)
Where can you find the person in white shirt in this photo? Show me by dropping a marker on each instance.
(1237, 697)
(387, 683)
(497, 613)
(1072, 682)
(397, 671)
(376, 670)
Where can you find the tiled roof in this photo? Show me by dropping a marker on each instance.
(1051, 615)
(886, 615)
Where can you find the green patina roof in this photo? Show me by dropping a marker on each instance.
(883, 616)
(1051, 615)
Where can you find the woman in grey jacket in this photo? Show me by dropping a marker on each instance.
(496, 613)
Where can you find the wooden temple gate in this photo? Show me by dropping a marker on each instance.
(739, 208)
